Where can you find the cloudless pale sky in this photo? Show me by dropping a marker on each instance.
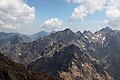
(58, 14)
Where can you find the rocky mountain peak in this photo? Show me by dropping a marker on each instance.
(67, 31)
(39, 35)
(106, 29)
(88, 33)
(78, 33)
(63, 36)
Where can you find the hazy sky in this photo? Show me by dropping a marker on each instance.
(31, 16)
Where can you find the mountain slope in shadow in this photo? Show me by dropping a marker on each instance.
(13, 71)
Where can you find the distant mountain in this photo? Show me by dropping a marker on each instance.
(53, 31)
(13, 71)
(38, 35)
(106, 30)
(12, 38)
(70, 64)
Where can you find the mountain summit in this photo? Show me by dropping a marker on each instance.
(106, 29)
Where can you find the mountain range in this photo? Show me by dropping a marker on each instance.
(66, 54)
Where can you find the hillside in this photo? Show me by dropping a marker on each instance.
(13, 71)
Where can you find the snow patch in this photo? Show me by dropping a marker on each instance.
(106, 44)
(78, 41)
(98, 35)
(82, 45)
(94, 59)
(20, 54)
(84, 48)
(86, 36)
(94, 38)
(39, 57)
(103, 38)
(51, 43)
(82, 65)
(89, 41)
(102, 42)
